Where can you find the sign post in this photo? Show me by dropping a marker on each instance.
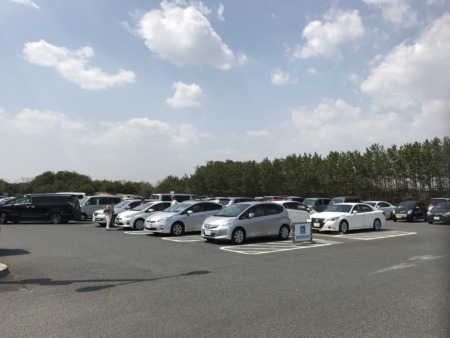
(302, 234)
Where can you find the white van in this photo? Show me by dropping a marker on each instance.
(89, 204)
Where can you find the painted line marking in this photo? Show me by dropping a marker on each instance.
(185, 239)
(142, 232)
(369, 237)
(417, 260)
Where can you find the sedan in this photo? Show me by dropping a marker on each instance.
(240, 221)
(298, 212)
(386, 207)
(181, 217)
(440, 213)
(347, 216)
(135, 218)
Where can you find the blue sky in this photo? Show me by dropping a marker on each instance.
(139, 90)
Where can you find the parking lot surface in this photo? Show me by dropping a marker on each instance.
(77, 279)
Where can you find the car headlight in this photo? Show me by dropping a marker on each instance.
(126, 216)
(332, 219)
(409, 212)
(227, 223)
(164, 219)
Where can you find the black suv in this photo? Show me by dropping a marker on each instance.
(53, 208)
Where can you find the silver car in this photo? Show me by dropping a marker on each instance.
(240, 221)
(135, 218)
(181, 217)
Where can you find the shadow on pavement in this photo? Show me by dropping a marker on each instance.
(13, 252)
(111, 282)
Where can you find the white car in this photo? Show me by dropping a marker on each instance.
(347, 216)
(135, 218)
(181, 217)
(99, 216)
(386, 207)
(298, 212)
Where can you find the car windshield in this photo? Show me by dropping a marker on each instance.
(309, 201)
(443, 206)
(141, 207)
(177, 207)
(122, 204)
(232, 210)
(406, 205)
(339, 208)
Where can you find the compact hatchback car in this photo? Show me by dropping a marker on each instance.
(182, 217)
(410, 211)
(240, 221)
(99, 216)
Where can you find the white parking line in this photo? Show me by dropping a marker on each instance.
(184, 239)
(375, 235)
(142, 232)
(272, 247)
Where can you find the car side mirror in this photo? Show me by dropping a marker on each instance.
(190, 212)
(251, 215)
(150, 210)
(354, 212)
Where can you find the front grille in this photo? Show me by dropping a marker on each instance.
(317, 220)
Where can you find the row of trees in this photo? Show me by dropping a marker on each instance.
(413, 170)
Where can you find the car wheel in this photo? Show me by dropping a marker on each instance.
(343, 227)
(238, 236)
(376, 224)
(55, 219)
(3, 218)
(139, 224)
(177, 229)
(394, 219)
(391, 216)
(414, 219)
(284, 232)
(430, 222)
(83, 217)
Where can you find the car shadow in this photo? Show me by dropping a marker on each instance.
(110, 283)
(13, 252)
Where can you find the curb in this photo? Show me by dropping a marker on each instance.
(3, 270)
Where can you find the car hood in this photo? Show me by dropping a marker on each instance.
(160, 214)
(217, 220)
(328, 214)
(128, 213)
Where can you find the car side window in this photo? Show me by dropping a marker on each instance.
(258, 210)
(196, 208)
(272, 209)
(365, 208)
(212, 206)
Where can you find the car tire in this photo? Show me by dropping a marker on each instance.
(55, 219)
(376, 225)
(414, 219)
(139, 224)
(177, 229)
(3, 218)
(394, 219)
(343, 227)
(238, 236)
(83, 217)
(430, 222)
(284, 232)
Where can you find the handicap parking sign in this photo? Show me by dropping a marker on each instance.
(302, 233)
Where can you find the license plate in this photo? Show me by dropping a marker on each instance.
(316, 225)
(398, 216)
(207, 232)
(98, 219)
(437, 218)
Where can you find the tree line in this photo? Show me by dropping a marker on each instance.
(410, 171)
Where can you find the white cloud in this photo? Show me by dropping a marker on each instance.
(414, 73)
(397, 12)
(73, 65)
(220, 12)
(257, 133)
(186, 95)
(26, 3)
(185, 36)
(323, 38)
(281, 78)
(187, 133)
(35, 122)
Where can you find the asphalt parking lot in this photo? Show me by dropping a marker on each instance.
(77, 280)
